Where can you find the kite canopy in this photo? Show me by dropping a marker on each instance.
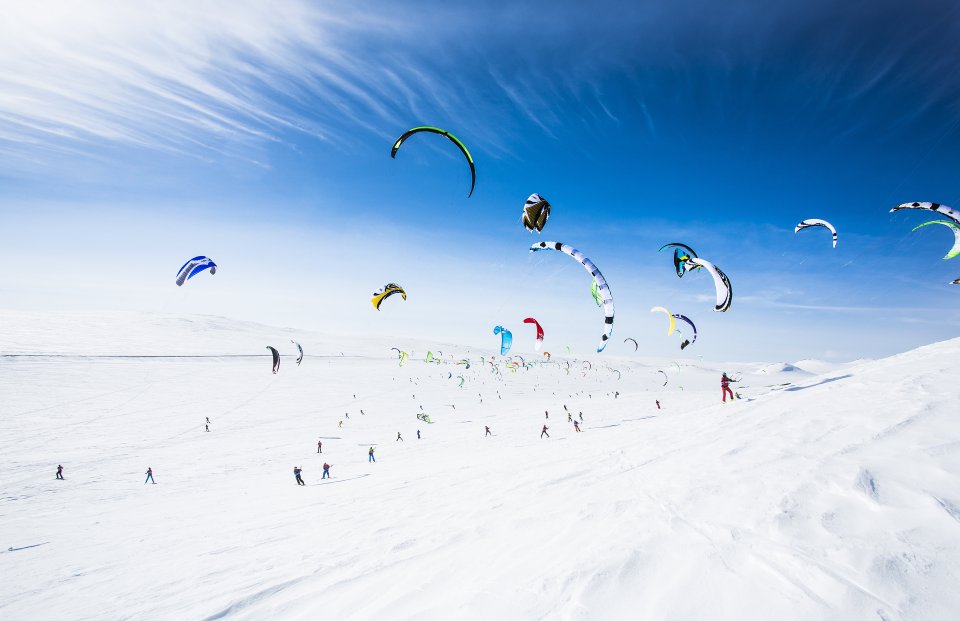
(686, 342)
(193, 267)
(539, 332)
(602, 287)
(300, 349)
(506, 339)
(956, 235)
(817, 222)
(949, 212)
(681, 254)
(442, 132)
(276, 358)
(535, 213)
(673, 323)
(388, 290)
(636, 345)
(720, 280)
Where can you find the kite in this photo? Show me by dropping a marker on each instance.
(589, 366)
(454, 139)
(673, 323)
(539, 332)
(300, 358)
(681, 254)
(636, 346)
(685, 341)
(466, 363)
(403, 357)
(664, 377)
(460, 377)
(388, 290)
(193, 267)
(424, 417)
(276, 359)
(956, 235)
(595, 293)
(817, 222)
(949, 212)
(547, 355)
(619, 375)
(602, 286)
(506, 339)
(429, 357)
(535, 213)
(720, 280)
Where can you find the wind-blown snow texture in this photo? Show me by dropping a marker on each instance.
(831, 496)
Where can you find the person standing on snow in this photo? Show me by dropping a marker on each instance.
(544, 432)
(399, 438)
(319, 446)
(576, 426)
(418, 434)
(59, 472)
(546, 414)
(149, 476)
(658, 404)
(370, 456)
(296, 473)
(725, 386)
(326, 471)
(488, 431)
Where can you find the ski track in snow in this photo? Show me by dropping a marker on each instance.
(827, 496)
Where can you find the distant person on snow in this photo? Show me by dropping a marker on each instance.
(581, 416)
(544, 432)
(347, 414)
(326, 471)
(59, 472)
(725, 387)
(488, 431)
(149, 476)
(569, 417)
(576, 426)
(418, 434)
(296, 473)
(207, 426)
(658, 404)
(208, 420)
(546, 414)
(370, 456)
(399, 438)
(340, 424)
(319, 446)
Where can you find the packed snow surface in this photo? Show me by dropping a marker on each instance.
(814, 496)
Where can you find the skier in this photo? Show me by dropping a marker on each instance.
(370, 456)
(725, 386)
(544, 432)
(319, 446)
(326, 471)
(576, 426)
(418, 434)
(296, 473)
(488, 431)
(658, 404)
(59, 472)
(149, 476)
(399, 439)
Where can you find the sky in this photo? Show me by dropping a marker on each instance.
(136, 136)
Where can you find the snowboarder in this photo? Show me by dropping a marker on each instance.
(658, 404)
(319, 446)
(149, 476)
(418, 434)
(296, 473)
(576, 426)
(326, 471)
(544, 432)
(399, 438)
(370, 456)
(59, 472)
(725, 387)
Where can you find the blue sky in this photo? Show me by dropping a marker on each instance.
(134, 137)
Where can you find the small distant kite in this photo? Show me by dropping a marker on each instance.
(636, 346)
(681, 254)
(388, 290)
(720, 281)
(539, 332)
(506, 339)
(953, 226)
(300, 349)
(535, 213)
(817, 222)
(673, 323)
(193, 267)
(442, 132)
(276, 359)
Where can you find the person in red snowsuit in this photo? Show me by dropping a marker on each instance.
(725, 387)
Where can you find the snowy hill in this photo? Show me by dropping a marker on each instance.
(832, 496)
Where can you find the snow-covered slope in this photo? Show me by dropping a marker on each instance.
(815, 497)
